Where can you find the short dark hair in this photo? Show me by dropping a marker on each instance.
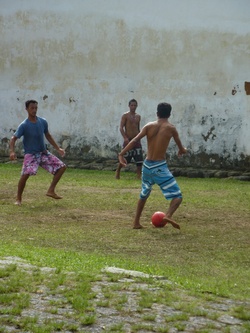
(27, 103)
(132, 101)
(164, 110)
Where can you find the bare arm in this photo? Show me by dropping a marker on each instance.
(130, 145)
(139, 123)
(54, 144)
(182, 150)
(122, 126)
(12, 148)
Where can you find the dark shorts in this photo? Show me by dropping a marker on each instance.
(136, 154)
(157, 172)
(47, 161)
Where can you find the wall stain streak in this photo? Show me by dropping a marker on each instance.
(209, 133)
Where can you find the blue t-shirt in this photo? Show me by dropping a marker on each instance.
(33, 135)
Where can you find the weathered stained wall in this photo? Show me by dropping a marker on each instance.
(83, 60)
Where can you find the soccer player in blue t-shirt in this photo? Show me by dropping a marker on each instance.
(33, 129)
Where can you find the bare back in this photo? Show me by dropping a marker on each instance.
(159, 134)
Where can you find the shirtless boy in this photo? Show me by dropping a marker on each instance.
(155, 169)
(33, 129)
(129, 128)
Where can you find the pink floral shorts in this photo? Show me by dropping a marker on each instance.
(46, 160)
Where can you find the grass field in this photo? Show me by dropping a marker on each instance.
(91, 228)
(92, 224)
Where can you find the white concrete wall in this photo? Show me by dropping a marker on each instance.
(84, 60)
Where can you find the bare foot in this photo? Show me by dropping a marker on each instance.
(137, 226)
(18, 203)
(174, 224)
(117, 175)
(54, 195)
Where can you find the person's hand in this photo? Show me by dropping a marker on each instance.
(126, 141)
(182, 151)
(61, 152)
(13, 156)
(122, 160)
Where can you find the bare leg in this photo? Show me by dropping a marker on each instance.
(138, 171)
(20, 188)
(174, 204)
(117, 173)
(51, 191)
(139, 209)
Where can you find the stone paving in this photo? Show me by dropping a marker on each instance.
(212, 317)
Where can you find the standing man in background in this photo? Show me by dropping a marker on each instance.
(129, 128)
(33, 129)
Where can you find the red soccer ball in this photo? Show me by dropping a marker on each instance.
(157, 219)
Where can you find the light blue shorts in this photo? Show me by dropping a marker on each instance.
(157, 172)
